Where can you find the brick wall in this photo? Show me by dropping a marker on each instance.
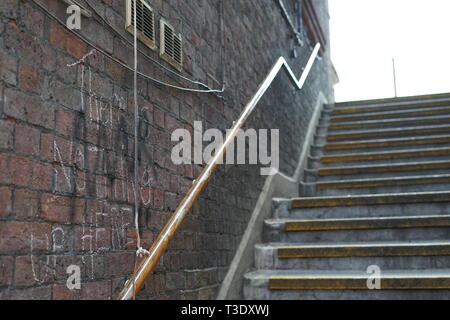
(66, 144)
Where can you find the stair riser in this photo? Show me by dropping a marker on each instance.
(317, 237)
(314, 176)
(380, 135)
(266, 260)
(384, 116)
(380, 190)
(417, 209)
(315, 164)
(337, 111)
(252, 292)
(423, 99)
(319, 151)
(380, 124)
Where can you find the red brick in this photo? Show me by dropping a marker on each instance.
(42, 176)
(17, 236)
(5, 202)
(146, 196)
(26, 268)
(26, 140)
(26, 204)
(6, 270)
(173, 124)
(29, 47)
(99, 290)
(158, 197)
(67, 41)
(92, 239)
(65, 122)
(146, 239)
(29, 78)
(121, 263)
(58, 208)
(61, 153)
(158, 117)
(20, 171)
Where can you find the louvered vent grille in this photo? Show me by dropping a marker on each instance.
(145, 19)
(171, 45)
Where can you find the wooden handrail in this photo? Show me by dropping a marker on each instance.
(136, 282)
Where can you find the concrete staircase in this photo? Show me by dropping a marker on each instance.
(376, 193)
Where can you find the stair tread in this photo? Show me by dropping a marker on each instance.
(378, 244)
(383, 155)
(393, 130)
(382, 165)
(389, 142)
(385, 122)
(417, 194)
(370, 199)
(397, 114)
(396, 100)
(426, 273)
(349, 181)
(293, 225)
(410, 105)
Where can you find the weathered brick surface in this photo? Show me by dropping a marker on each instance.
(67, 144)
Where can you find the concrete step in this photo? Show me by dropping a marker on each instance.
(389, 107)
(362, 249)
(391, 114)
(284, 210)
(395, 144)
(394, 101)
(382, 168)
(382, 123)
(385, 155)
(371, 200)
(387, 133)
(398, 228)
(351, 285)
(394, 184)
(267, 257)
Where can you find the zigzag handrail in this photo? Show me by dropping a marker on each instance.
(137, 280)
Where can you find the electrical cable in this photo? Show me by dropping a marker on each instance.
(142, 52)
(109, 56)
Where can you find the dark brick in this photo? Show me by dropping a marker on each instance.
(8, 68)
(27, 140)
(35, 293)
(9, 8)
(26, 204)
(6, 270)
(97, 290)
(5, 202)
(6, 134)
(29, 78)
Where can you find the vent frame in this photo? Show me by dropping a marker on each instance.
(145, 36)
(171, 48)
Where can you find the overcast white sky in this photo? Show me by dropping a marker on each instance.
(367, 34)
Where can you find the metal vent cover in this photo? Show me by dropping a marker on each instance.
(171, 48)
(145, 21)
